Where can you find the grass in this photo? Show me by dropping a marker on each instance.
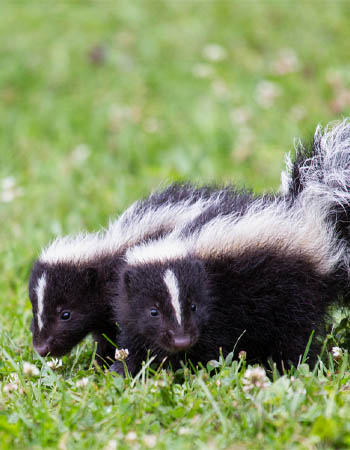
(100, 103)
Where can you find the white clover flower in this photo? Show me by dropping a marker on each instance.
(240, 115)
(131, 437)
(83, 382)
(220, 89)
(214, 52)
(30, 369)
(14, 377)
(266, 93)
(255, 378)
(149, 440)
(9, 190)
(286, 62)
(120, 114)
(10, 387)
(8, 183)
(111, 445)
(80, 154)
(202, 71)
(121, 354)
(337, 353)
(54, 363)
(297, 112)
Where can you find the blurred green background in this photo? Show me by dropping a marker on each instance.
(103, 101)
(100, 102)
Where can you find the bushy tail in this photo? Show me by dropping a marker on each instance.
(321, 174)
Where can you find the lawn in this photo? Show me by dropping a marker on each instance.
(101, 102)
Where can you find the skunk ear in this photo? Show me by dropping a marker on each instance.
(128, 278)
(90, 275)
(198, 267)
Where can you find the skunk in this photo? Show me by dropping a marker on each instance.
(259, 277)
(70, 281)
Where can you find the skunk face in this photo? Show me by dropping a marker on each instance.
(61, 300)
(165, 306)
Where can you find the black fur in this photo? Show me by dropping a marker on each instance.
(82, 288)
(274, 302)
(82, 292)
(142, 289)
(271, 298)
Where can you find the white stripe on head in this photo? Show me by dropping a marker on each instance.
(173, 288)
(40, 293)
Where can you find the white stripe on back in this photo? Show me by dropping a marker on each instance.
(173, 288)
(40, 292)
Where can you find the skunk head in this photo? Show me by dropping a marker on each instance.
(165, 305)
(64, 305)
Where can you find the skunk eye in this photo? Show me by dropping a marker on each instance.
(193, 307)
(154, 312)
(65, 315)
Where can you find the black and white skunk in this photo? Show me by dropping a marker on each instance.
(69, 286)
(258, 276)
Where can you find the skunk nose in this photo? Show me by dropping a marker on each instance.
(43, 349)
(181, 342)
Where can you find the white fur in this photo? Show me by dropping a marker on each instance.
(301, 230)
(325, 178)
(159, 250)
(173, 288)
(40, 294)
(286, 174)
(298, 231)
(131, 227)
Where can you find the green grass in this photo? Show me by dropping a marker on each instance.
(100, 102)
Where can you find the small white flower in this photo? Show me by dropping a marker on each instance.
(337, 353)
(255, 378)
(10, 387)
(220, 89)
(120, 114)
(183, 431)
(121, 354)
(9, 190)
(83, 382)
(240, 116)
(286, 62)
(131, 436)
(30, 369)
(55, 363)
(149, 440)
(8, 183)
(14, 377)
(111, 445)
(218, 383)
(80, 154)
(214, 52)
(266, 93)
(202, 71)
(297, 112)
